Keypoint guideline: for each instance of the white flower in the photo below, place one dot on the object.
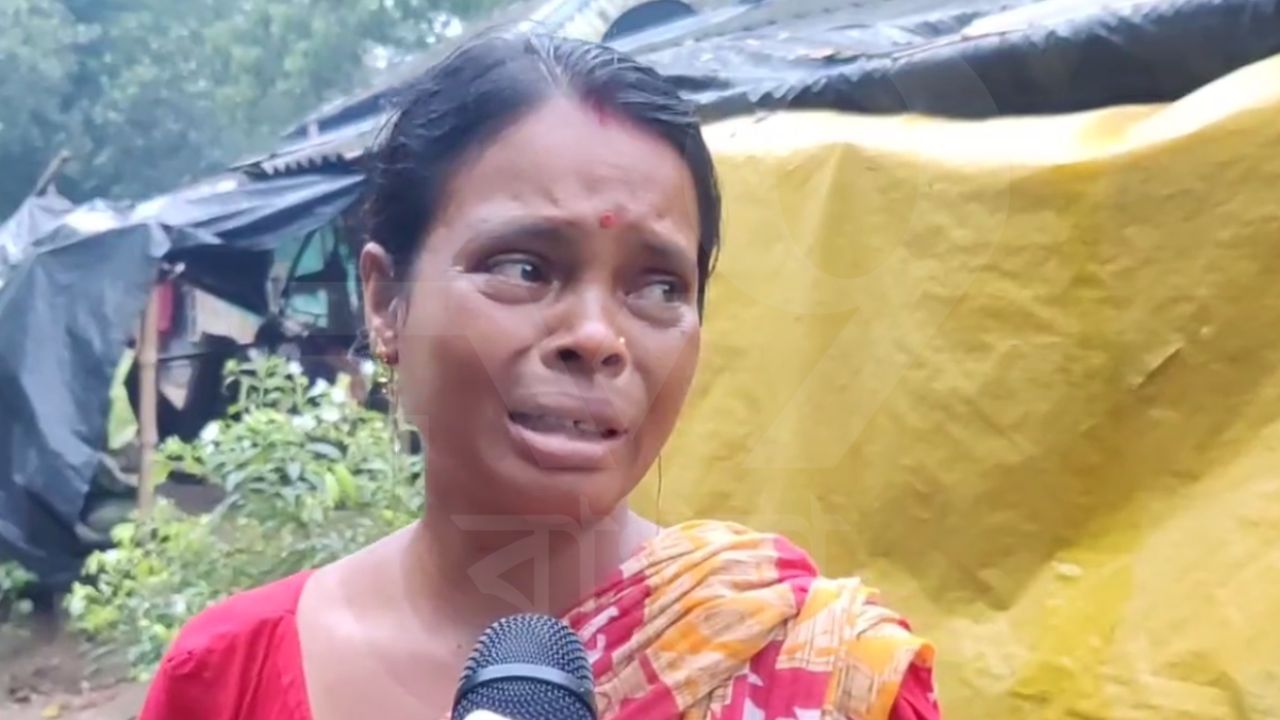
(305, 423)
(294, 367)
(338, 394)
(210, 432)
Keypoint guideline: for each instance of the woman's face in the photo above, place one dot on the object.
(549, 333)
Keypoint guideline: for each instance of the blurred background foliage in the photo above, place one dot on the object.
(146, 94)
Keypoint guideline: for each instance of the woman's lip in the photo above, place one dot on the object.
(555, 451)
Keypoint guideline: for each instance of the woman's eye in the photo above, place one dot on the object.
(663, 291)
(525, 270)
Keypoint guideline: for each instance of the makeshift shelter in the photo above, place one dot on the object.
(72, 301)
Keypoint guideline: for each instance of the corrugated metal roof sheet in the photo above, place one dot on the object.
(344, 145)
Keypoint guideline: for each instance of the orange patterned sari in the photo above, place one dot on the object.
(715, 621)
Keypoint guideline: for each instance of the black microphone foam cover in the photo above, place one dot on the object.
(528, 667)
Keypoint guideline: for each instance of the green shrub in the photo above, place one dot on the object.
(309, 477)
(14, 581)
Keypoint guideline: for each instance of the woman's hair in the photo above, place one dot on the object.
(488, 85)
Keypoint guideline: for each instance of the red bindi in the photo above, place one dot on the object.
(608, 220)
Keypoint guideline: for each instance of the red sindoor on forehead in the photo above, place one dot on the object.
(608, 219)
(604, 114)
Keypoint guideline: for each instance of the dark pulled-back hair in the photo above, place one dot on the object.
(488, 85)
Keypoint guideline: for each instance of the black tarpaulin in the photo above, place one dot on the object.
(236, 223)
(33, 219)
(65, 314)
(966, 59)
(71, 302)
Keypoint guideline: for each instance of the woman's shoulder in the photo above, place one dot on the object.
(872, 664)
(238, 659)
(252, 616)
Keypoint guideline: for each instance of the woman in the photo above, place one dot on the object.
(543, 217)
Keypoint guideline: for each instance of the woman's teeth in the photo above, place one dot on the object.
(562, 425)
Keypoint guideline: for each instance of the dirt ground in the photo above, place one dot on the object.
(122, 702)
(45, 675)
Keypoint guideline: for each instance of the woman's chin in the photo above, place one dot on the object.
(520, 488)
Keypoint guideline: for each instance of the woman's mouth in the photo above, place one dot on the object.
(583, 428)
(566, 439)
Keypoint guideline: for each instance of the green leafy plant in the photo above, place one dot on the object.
(309, 477)
(14, 582)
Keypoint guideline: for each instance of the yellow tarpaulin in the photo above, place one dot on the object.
(1024, 376)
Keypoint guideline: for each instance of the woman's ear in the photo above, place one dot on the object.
(382, 305)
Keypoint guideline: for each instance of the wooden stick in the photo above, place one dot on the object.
(51, 172)
(147, 395)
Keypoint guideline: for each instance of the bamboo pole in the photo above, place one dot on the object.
(51, 172)
(148, 435)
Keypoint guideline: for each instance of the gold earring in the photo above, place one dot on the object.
(383, 368)
(385, 377)
(385, 355)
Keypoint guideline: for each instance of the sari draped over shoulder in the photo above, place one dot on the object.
(712, 620)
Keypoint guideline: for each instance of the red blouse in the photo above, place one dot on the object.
(242, 660)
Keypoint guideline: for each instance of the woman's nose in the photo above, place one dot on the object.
(589, 343)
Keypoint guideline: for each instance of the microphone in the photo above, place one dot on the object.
(526, 667)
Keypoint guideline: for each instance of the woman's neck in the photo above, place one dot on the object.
(471, 573)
